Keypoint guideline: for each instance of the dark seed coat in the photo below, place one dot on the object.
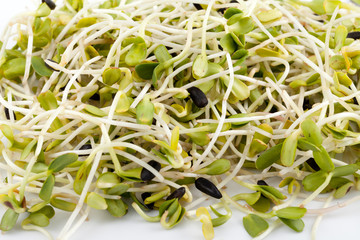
(354, 35)
(198, 97)
(49, 67)
(146, 175)
(7, 114)
(306, 104)
(198, 6)
(262, 182)
(95, 97)
(178, 193)
(85, 147)
(311, 162)
(207, 187)
(144, 196)
(50, 4)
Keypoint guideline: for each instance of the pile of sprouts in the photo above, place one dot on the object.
(142, 105)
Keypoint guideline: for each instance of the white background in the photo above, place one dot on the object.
(341, 224)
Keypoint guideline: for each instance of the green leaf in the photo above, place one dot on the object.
(8, 220)
(38, 219)
(243, 26)
(311, 132)
(265, 52)
(256, 146)
(47, 100)
(8, 133)
(47, 188)
(267, 158)
(305, 145)
(43, 10)
(228, 44)
(200, 66)
(343, 190)
(118, 189)
(107, 180)
(199, 138)
(337, 133)
(133, 174)
(111, 76)
(314, 180)
(296, 225)
(291, 213)
(124, 103)
(96, 201)
(28, 149)
(63, 161)
(221, 219)
(340, 36)
(239, 89)
(86, 22)
(161, 53)
(345, 170)
(48, 211)
(323, 160)
(146, 70)
(217, 167)
(337, 62)
(136, 54)
(255, 225)
(116, 208)
(165, 205)
(316, 5)
(267, 16)
(14, 68)
(94, 111)
(239, 115)
(262, 205)
(231, 11)
(145, 111)
(62, 204)
(250, 198)
(39, 66)
(288, 150)
(272, 193)
(313, 79)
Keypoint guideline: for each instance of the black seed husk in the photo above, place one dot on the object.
(306, 104)
(154, 121)
(208, 188)
(198, 97)
(262, 182)
(49, 67)
(144, 196)
(178, 193)
(221, 10)
(311, 162)
(273, 109)
(85, 147)
(353, 35)
(95, 97)
(50, 4)
(7, 114)
(355, 101)
(198, 6)
(146, 175)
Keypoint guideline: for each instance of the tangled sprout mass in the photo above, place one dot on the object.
(158, 105)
